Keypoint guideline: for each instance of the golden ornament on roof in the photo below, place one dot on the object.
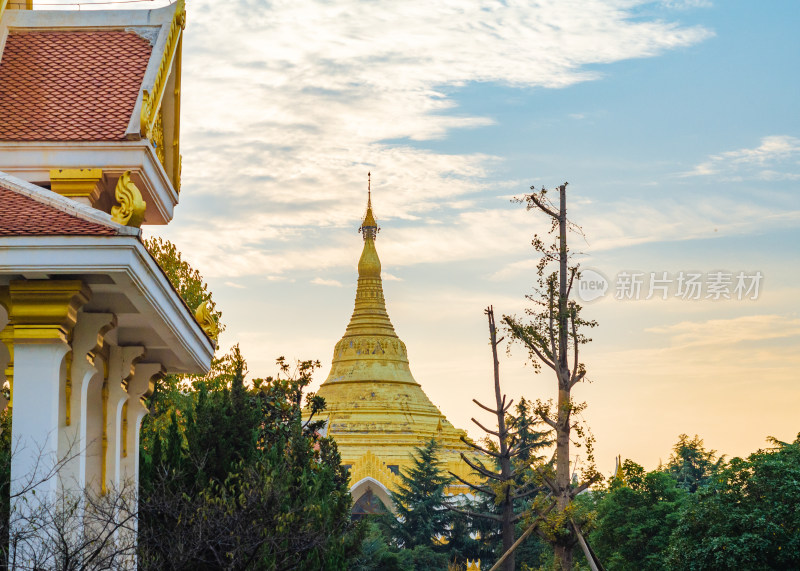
(207, 322)
(131, 207)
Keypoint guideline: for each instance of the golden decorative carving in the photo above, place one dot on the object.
(125, 429)
(178, 169)
(176, 119)
(77, 183)
(104, 441)
(158, 138)
(366, 346)
(68, 389)
(151, 101)
(207, 322)
(131, 208)
(45, 311)
(370, 466)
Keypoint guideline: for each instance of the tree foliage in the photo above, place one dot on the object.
(692, 465)
(420, 502)
(747, 517)
(251, 485)
(230, 475)
(635, 519)
(186, 280)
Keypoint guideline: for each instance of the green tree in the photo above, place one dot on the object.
(553, 336)
(268, 493)
(635, 518)
(377, 555)
(747, 517)
(231, 476)
(692, 465)
(186, 280)
(422, 520)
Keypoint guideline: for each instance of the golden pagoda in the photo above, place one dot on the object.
(376, 412)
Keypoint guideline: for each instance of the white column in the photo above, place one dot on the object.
(43, 313)
(38, 374)
(121, 367)
(140, 385)
(87, 341)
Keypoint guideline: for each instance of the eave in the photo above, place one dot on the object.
(125, 280)
(32, 161)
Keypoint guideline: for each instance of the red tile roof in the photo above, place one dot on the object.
(70, 86)
(24, 216)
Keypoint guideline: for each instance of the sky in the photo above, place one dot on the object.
(675, 123)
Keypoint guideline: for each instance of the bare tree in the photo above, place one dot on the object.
(553, 336)
(62, 531)
(75, 532)
(503, 486)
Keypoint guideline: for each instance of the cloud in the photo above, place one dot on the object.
(243, 247)
(728, 332)
(324, 282)
(746, 349)
(286, 105)
(686, 4)
(776, 158)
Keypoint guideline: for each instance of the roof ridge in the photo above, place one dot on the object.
(63, 204)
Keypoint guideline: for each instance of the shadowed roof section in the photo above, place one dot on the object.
(23, 216)
(70, 86)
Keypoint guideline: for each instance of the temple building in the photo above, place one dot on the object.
(89, 152)
(376, 411)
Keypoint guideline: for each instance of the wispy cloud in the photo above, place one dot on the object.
(243, 248)
(686, 4)
(287, 104)
(324, 282)
(728, 332)
(776, 158)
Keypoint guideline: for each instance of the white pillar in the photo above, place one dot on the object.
(121, 367)
(140, 385)
(87, 341)
(38, 374)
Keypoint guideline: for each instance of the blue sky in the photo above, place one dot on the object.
(675, 123)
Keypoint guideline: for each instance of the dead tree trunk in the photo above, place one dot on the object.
(553, 338)
(508, 448)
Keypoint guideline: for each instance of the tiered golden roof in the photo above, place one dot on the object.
(377, 412)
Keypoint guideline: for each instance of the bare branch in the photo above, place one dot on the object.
(484, 407)
(494, 432)
(481, 469)
(533, 198)
(479, 447)
(475, 514)
(483, 489)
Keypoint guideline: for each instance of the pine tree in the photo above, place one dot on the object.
(422, 518)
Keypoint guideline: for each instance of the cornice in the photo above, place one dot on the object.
(125, 257)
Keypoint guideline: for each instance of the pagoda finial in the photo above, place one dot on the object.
(369, 227)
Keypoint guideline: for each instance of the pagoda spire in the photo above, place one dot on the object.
(370, 348)
(369, 227)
